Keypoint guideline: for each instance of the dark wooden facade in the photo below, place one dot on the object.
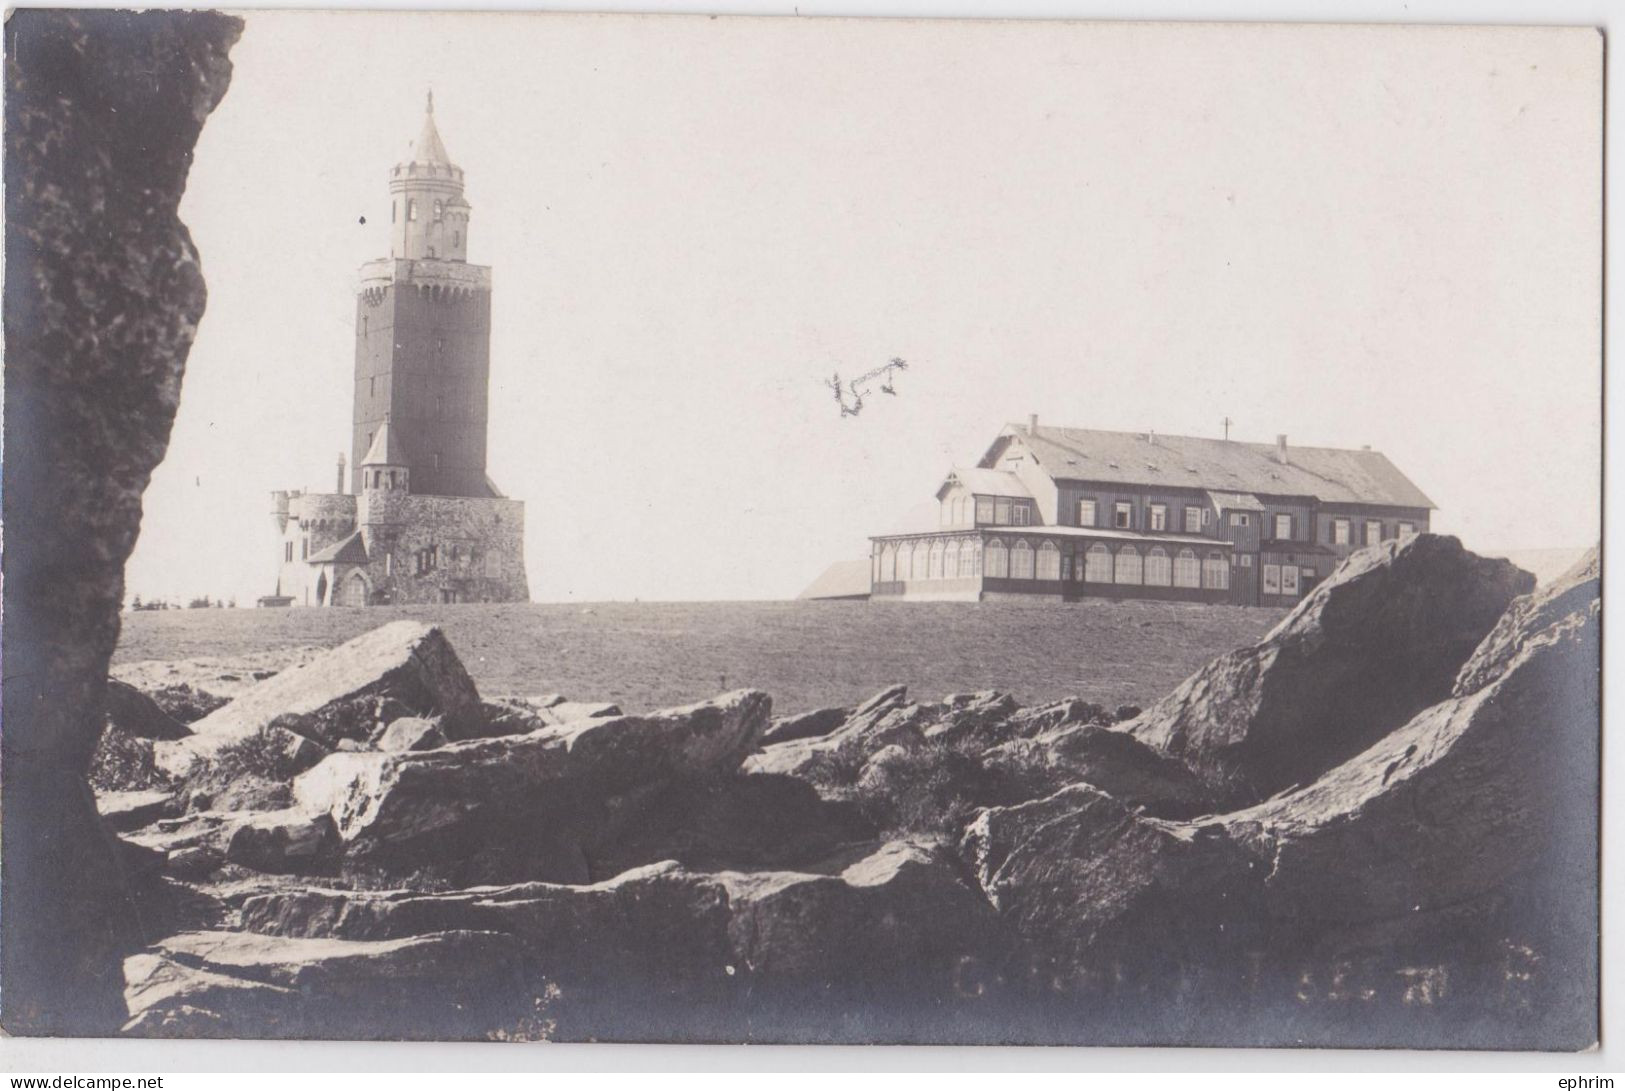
(1213, 537)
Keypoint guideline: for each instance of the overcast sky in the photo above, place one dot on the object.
(1352, 236)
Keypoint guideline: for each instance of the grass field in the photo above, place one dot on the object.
(806, 654)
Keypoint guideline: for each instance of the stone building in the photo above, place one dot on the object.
(417, 518)
(1070, 513)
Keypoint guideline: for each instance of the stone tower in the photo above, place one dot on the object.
(423, 332)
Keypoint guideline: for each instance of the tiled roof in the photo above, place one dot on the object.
(351, 550)
(1330, 474)
(987, 482)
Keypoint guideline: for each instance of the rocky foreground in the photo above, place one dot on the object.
(1377, 826)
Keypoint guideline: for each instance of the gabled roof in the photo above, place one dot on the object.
(386, 449)
(351, 550)
(986, 482)
(1235, 501)
(1330, 474)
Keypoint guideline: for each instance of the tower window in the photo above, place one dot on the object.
(411, 208)
(439, 212)
(456, 238)
(393, 208)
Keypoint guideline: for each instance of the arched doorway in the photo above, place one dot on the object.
(352, 591)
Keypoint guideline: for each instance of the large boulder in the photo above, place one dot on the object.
(282, 841)
(1092, 883)
(103, 294)
(837, 757)
(405, 668)
(446, 985)
(136, 714)
(520, 806)
(1113, 761)
(411, 733)
(1382, 638)
(1528, 618)
(1438, 849)
(898, 917)
(805, 725)
(744, 821)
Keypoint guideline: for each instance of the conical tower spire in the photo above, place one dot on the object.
(428, 212)
(429, 148)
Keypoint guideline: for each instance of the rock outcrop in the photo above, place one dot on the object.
(447, 985)
(1470, 814)
(1380, 639)
(807, 725)
(523, 806)
(103, 293)
(405, 668)
(138, 715)
(649, 946)
(1574, 593)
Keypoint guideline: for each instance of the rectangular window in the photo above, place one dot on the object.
(1406, 530)
(1240, 519)
(1001, 511)
(1193, 520)
(1086, 513)
(1373, 531)
(1159, 516)
(984, 510)
(1289, 579)
(1123, 515)
(1340, 532)
(1022, 514)
(1272, 579)
(1245, 560)
(1283, 527)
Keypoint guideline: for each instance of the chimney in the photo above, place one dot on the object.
(340, 487)
(1280, 449)
(1032, 424)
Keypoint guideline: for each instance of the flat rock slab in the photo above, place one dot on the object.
(470, 795)
(455, 984)
(406, 665)
(126, 811)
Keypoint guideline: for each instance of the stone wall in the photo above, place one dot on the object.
(478, 546)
